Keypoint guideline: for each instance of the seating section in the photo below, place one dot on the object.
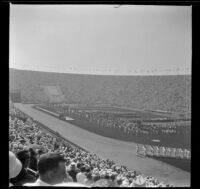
(25, 134)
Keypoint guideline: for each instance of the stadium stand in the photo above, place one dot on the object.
(166, 93)
(26, 135)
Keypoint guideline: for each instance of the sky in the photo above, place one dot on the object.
(101, 39)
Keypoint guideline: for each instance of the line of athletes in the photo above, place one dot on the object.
(149, 150)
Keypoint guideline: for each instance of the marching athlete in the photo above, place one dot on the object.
(137, 149)
(156, 151)
(145, 150)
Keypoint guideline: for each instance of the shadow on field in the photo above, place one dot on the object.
(183, 164)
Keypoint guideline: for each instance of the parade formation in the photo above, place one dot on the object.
(167, 152)
(167, 141)
(130, 128)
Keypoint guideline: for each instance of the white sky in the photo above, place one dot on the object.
(101, 39)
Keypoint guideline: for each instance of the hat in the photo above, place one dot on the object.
(125, 183)
(15, 165)
(72, 164)
(87, 166)
(140, 182)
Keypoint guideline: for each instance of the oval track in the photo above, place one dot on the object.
(121, 152)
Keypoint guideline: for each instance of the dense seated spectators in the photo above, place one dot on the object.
(33, 145)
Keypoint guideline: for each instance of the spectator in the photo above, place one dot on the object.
(51, 168)
(138, 182)
(33, 160)
(37, 138)
(81, 176)
(88, 181)
(68, 178)
(73, 171)
(15, 166)
(23, 177)
(79, 165)
(125, 182)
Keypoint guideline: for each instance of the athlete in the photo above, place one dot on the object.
(137, 149)
(156, 151)
(145, 150)
(181, 153)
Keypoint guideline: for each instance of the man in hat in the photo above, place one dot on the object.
(51, 169)
(15, 166)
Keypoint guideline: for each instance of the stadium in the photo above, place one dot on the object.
(100, 95)
(107, 129)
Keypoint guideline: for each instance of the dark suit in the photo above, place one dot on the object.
(22, 178)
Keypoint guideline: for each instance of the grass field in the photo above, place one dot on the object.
(177, 141)
(180, 141)
(123, 153)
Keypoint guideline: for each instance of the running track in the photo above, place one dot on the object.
(121, 152)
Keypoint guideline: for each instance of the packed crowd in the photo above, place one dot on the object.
(129, 127)
(37, 158)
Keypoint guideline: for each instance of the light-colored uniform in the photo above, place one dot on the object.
(162, 151)
(156, 151)
(144, 150)
(137, 149)
(181, 153)
(151, 150)
(168, 152)
(188, 154)
(173, 152)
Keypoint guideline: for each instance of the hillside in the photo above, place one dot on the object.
(171, 93)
